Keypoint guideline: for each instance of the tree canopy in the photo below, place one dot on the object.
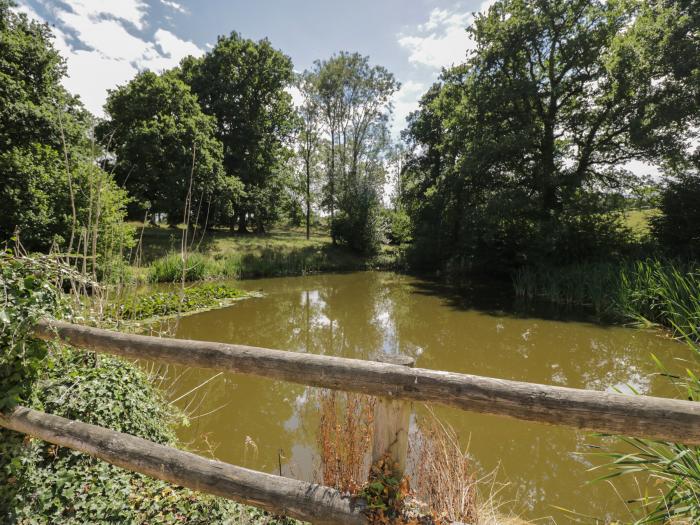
(242, 84)
(515, 150)
(49, 180)
(165, 147)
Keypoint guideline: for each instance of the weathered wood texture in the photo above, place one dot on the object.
(305, 501)
(642, 416)
(392, 418)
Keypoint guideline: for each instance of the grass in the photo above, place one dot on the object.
(639, 221)
(222, 255)
(647, 292)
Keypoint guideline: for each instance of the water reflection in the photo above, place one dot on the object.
(360, 314)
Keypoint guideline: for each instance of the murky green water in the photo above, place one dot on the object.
(256, 422)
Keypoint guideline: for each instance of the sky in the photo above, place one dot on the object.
(106, 42)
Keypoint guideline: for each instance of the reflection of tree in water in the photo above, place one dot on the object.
(359, 314)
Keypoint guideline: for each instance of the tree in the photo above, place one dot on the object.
(52, 192)
(354, 99)
(309, 137)
(165, 147)
(516, 150)
(242, 84)
(678, 226)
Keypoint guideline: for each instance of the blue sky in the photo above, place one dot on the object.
(106, 42)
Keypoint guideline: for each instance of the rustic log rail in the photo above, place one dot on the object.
(297, 499)
(640, 416)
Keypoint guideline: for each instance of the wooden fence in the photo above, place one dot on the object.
(394, 382)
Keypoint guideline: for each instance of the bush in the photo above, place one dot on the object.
(26, 297)
(678, 227)
(357, 223)
(168, 269)
(397, 225)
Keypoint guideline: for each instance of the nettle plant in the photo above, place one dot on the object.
(26, 295)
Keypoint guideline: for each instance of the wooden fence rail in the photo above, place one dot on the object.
(297, 499)
(641, 416)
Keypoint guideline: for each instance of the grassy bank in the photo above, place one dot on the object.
(222, 255)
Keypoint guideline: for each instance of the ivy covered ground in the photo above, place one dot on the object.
(41, 483)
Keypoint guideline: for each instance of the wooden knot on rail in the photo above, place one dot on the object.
(392, 418)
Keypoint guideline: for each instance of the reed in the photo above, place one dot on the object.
(445, 476)
(651, 291)
(646, 292)
(172, 267)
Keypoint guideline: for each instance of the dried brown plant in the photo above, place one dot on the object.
(345, 438)
(445, 476)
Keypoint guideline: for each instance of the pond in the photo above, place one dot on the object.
(260, 423)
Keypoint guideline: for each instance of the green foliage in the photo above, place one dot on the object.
(649, 291)
(32, 97)
(352, 101)
(165, 303)
(169, 269)
(268, 263)
(50, 187)
(161, 140)
(678, 227)
(516, 153)
(358, 224)
(33, 193)
(26, 297)
(397, 225)
(673, 468)
(241, 83)
(42, 483)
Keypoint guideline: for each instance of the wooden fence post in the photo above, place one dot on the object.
(391, 421)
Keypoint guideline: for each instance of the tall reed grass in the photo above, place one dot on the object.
(651, 291)
(269, 263)
(647, 292)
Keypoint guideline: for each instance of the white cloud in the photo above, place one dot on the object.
(132, 11)
(109, 38)
(405, 101)
(102, 52)
(442, 41)
(174, 5)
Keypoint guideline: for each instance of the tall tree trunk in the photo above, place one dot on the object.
(241, 219)
(331, 183)
(308, 198)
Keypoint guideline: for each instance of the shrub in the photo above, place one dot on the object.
(397, 225)
(358, 223)
(168, 269)
(678, 227)
(26, 296)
